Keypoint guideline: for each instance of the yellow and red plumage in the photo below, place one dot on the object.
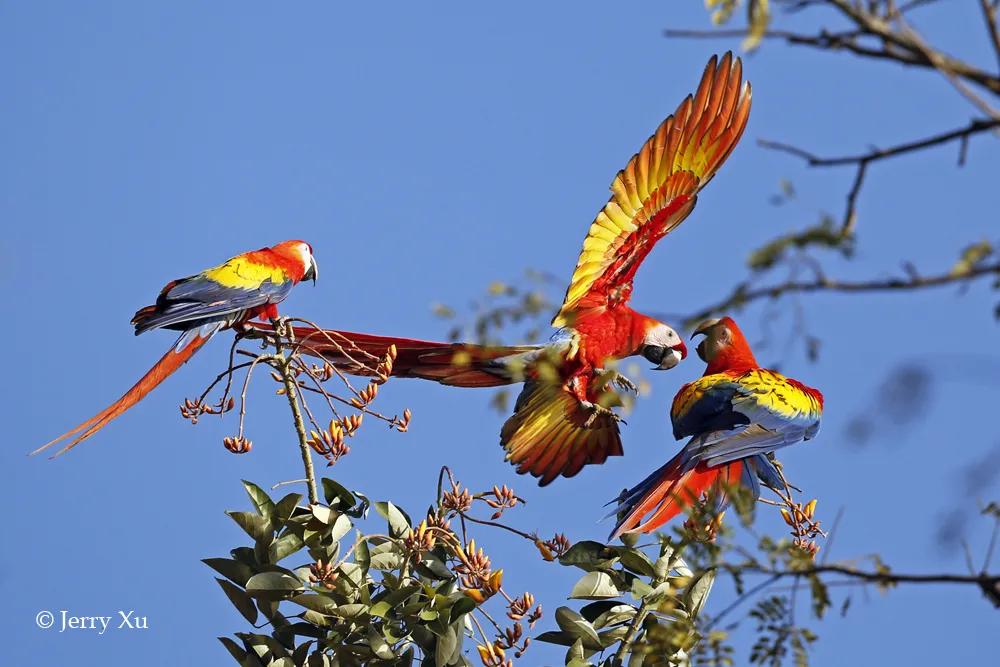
(244, 287)
(736, 414)
(556, 430)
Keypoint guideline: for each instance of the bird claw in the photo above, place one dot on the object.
(282, 329)
(597, 411)
(619, 380)
(625, 384)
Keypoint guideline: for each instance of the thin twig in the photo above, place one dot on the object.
(990, 16)
(742, 297)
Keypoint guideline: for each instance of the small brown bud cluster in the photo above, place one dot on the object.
(474, 570)
(384, 369)
(365, 396)
(438, 522)
(804, 529)
(554, 548)
(701, 531)
(511, 637)
(194, 409)
(323, 574)
(457, 500)
(237, 444)
(492, 655)
(351, 424)
(418, 540)
(505, 498)
(402, 424)
(520, 607)
(329, 442)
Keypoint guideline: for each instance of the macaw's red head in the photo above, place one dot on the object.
(724, 347)
(662, 346)
(300, 255)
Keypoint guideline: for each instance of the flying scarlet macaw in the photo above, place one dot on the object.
(560, 424)
(227, 296)
(736, 414)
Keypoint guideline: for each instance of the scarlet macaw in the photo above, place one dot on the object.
(226, 296)
(560, 426)
(736, 414)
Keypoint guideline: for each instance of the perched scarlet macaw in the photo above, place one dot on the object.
(736, 414)
(559, 424)
(227, 296)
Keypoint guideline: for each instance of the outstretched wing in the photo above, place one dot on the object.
(240, 284)
(658, 188)
(734, 417)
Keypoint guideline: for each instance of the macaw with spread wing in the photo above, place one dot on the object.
(226, 296)
(562, 423)
(736, 414)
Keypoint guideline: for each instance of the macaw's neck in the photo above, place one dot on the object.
(610, 333)
(735, 357)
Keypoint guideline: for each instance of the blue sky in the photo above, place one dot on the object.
(425, 153)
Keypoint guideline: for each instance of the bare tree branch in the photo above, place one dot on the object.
(863, 160)
(848, 41)
(990, 16)
(974, 127)
(742, 295)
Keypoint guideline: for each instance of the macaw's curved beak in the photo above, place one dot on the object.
(312, 272)
(702, 329)
(671, 357)
(666, 357)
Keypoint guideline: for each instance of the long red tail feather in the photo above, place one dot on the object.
(672, 493)
(454, 364)
(189, 343)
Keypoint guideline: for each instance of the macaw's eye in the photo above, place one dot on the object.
(653, 353)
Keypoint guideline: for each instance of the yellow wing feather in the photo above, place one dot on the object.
(245, 273)
(659, 184)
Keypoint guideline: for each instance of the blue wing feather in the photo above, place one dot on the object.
(195, 301)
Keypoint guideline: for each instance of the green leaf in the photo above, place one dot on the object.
(379, 646)
(323, 514)
(586, 555)
(698, 591)
(462, 606)
(341, 526)
(387, 561)
(234, 649)
(337, 496)
(234, 570)
(256, 526)
(262, 501)
(447, 645)
(667, 559)
(362, 555)
(594, 586)
(399, 522)
(284, 546)
(640, 589)
(318, 603)
(350, 611)
(240, 600)
(269, 585)
(381, 609)
(636, 561)
(560, 638)
(576, 625)
(285, 507)
(619, 613)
